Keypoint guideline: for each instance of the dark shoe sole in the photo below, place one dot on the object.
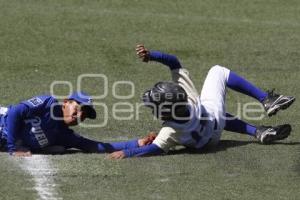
(282, 132)
(282, 106)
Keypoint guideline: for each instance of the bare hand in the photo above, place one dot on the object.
(116, 155)
(142, 52)
(22, 153)
(147, 140)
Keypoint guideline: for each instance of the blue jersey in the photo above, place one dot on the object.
(32, 122)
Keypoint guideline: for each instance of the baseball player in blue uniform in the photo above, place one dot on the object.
(42, 122)
(196, 121)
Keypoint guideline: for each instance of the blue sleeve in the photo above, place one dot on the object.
(73, 140)
(171, 61)
(117, 146)
(15, 118)
(151, 149)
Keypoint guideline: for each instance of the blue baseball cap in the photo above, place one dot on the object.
(86, 101)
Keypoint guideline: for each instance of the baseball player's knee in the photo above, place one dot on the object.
(216, 69)
(219, 71)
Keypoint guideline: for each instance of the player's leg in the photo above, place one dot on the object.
(236, 125)
(213, 99)
(213, 93)
(265, 134)
(272, 102)
(243, 86)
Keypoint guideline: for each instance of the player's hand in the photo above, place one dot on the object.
(22, 153)
(142, 52)
(147, 140)
(116, 155)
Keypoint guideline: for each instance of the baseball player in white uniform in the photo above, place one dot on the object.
(197, 121)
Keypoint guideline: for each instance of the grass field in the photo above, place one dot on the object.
(44, 41)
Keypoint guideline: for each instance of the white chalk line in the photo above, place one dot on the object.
(39, 167)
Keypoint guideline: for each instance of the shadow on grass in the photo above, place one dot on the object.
(223, 146)
(67, 151)
(286, 143)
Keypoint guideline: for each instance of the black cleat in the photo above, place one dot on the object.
(268, 134)
(275, 102)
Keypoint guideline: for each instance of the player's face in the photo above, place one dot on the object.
(72, 113)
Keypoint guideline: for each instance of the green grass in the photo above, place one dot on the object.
(43, 41)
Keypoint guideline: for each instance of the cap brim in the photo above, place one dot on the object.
(90, 112)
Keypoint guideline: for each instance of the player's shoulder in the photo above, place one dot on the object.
(40, 100)
(181, 71)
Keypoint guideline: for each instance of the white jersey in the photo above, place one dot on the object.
(193, 133)
(205, 111)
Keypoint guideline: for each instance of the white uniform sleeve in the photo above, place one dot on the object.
(181, 76)
(167, 138)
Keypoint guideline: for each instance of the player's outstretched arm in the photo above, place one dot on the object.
(151, 149)
(72, 140)
(125, 145)
(169, 60)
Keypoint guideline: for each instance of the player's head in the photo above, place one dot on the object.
(77, 107)
(168, 100)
